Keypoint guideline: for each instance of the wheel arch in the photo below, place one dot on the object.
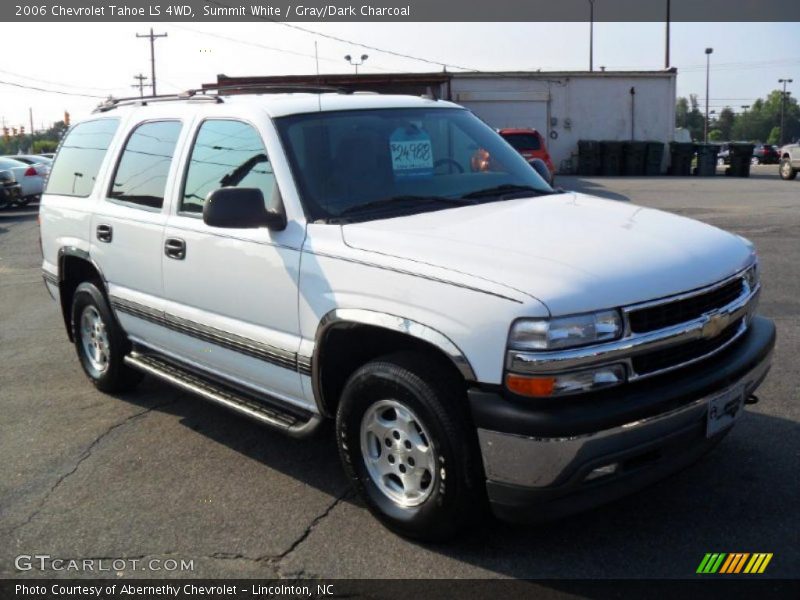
(377, 333)
(74, 267)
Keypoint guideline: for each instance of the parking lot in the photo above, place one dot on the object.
(161, 474)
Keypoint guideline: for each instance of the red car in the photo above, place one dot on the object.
(529, 143)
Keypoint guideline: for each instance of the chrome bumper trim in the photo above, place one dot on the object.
(537, 462)
(704, 327)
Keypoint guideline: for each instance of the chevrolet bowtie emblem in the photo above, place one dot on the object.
(715, 324)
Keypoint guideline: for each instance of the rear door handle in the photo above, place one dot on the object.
(175, 248)
(105, 233)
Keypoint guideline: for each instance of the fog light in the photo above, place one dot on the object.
(566, 383)
(603, 471)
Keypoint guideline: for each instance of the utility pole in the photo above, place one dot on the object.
(783, 106)
(591, 35)
(30, 114)
(152, 36)
(666, 48)
(708, 73)
(141, 85)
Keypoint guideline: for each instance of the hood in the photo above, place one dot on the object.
(572, 252)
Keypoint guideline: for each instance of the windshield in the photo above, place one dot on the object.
(364, 164)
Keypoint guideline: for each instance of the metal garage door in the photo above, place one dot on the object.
(508, 109)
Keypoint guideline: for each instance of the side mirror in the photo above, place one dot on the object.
(240, 208)
(541, 168)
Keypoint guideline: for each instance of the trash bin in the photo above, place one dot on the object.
(740, 157)
(706, 160)
(681, 154)
(633, 157)
(588, 157)
(653, 158)
(611, 158)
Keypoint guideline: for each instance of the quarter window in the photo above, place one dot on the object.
(79, 158)
(227, 153)
(141, 176)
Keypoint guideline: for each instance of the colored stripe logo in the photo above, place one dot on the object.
(734, 563)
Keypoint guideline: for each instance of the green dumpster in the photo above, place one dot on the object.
(653, 158)
(706, 160)
(633, 158)
(740, 157)
(589, 152)
(611, 158)
(681, 154)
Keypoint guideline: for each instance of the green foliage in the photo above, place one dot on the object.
(42, 146)
(760, 124)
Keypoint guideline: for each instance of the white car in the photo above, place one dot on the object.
(30, 177)
(391, 263)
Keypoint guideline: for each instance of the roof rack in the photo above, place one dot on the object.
(201, 94)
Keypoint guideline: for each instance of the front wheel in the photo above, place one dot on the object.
(786, 170)
(100, 342)
(406, 444)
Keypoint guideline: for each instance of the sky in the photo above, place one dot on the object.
(98, 59)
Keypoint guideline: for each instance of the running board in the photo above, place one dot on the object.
(290, 422)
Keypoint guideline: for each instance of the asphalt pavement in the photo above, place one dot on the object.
(159, 474)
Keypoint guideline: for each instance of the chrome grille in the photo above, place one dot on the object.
(659, 316)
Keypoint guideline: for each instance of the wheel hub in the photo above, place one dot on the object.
(398, 453)
(94, 339)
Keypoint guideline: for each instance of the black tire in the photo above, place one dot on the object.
(23, 200)
(114, 375)
(786, 170)
(436, 398)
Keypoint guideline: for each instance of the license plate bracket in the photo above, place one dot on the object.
(724, 409)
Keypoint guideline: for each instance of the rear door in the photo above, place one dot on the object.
(128, 226)
(231, 294)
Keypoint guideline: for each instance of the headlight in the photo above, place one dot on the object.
(565, 332)
(752, 276)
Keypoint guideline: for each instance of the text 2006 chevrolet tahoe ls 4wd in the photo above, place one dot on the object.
(391, 263)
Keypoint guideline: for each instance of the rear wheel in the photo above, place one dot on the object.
(786, 169)
(100, 342)
(408, 448)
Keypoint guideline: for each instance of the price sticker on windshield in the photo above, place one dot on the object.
(412, 154)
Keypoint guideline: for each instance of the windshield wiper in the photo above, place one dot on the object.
(504, 191)
(405, 200)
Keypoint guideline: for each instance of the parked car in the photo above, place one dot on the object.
(9, 189)
(724, 154)
(790, 160)
(42, 163)
(50, 155)
(765, 154)
(31, 178)
(529, 143)
(474, 333)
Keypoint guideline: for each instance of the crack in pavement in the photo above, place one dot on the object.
(276, 559)
(85, 455)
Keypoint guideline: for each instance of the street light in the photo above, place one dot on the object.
(708, 72)
(783, 105)
(744, 107)
(349, 59)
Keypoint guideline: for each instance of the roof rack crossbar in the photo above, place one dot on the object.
(272, 88)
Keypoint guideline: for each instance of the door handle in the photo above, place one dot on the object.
(175, 248)
(105, 233)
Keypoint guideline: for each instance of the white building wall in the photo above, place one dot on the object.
(574, 106)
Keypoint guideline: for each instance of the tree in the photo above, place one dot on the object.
(688, 116)
(725, 122)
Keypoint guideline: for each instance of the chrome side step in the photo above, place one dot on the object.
(295, 422)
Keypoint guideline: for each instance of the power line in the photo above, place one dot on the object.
(66, 85)
(346, 41)
(38, 89)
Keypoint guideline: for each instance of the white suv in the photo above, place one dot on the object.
(391, 263)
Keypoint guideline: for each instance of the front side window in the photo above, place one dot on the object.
(141, 175)
(363, 164)
(226, 153)
(78, 161)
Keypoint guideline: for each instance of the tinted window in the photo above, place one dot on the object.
(82, 151)
(226, 154)
(141, 175)
(351, 162)
(523, 141)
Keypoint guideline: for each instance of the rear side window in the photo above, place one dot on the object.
(523, 141)
(78, 161)
(226, 153)
(141, 175)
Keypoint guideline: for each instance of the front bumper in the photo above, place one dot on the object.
(537, 455)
